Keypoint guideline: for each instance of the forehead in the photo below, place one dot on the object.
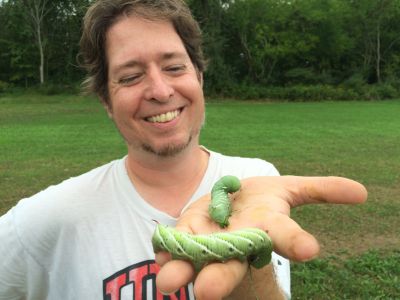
(135, 38)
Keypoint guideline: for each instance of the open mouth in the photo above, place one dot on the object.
(165, 117)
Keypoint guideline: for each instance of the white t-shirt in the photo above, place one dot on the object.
(89, 237)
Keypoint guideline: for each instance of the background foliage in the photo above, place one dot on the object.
(256, 48)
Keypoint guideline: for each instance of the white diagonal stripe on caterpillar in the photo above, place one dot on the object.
(229, 245)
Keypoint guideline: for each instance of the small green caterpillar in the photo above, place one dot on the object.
(251, 243)
(220, 208)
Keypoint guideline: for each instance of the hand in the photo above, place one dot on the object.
(262, 202)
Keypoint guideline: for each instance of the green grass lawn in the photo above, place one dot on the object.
(45, 139)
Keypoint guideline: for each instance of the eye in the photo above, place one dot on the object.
(130, 80)
(176, 69)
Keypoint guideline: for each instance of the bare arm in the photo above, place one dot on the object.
(263, 202)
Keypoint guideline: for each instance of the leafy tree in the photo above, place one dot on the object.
(211, 14)
(36, 11)
(64, 38)
(248, 42)
(378, 34)
(272, 36)
(16, 61)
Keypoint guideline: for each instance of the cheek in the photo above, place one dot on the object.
(192, 90)
(124, 104)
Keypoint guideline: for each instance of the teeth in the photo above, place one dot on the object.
(162, 118)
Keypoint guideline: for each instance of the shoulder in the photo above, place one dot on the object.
(75, 189)
(72, 193)
(40, 220)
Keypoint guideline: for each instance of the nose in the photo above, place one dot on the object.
(158, 86)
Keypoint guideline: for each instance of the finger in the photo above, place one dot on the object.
(328, 190)
(289, 239)
(297, 190)
(162, 258)
(173, 275)
(217, 280)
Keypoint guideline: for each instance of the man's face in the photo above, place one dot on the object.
(156, 97)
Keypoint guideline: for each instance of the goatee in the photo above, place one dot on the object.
(169, 150)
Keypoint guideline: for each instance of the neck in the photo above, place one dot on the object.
(167, 183)
(158, 171)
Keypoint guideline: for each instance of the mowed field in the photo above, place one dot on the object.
(45, 139)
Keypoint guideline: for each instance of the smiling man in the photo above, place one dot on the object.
(156, 101)
(89, 237)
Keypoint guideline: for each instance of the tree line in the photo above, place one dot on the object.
(255, 47)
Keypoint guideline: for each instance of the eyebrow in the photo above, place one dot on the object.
(170, 55)
(133, 62)
(128, 64)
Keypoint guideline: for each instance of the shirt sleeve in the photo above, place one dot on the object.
(13, 262)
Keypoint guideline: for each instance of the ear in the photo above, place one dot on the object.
(200, 77)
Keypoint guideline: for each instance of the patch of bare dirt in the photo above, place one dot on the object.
(355, 245)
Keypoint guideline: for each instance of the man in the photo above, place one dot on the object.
(89, 237)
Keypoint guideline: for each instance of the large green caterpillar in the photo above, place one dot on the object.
(251, 243)
(220, 208)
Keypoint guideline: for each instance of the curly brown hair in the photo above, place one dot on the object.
(104, 13)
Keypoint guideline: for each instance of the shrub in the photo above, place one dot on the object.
(352, 90)
(355, 81)
(298, 75)
(4, 86)
(57, 89)
(386, 91)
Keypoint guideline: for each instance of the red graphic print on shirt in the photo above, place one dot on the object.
(138, 281)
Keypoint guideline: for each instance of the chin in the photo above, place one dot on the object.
(168, 150)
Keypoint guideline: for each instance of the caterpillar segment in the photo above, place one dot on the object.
(250, 243)
(220, 208)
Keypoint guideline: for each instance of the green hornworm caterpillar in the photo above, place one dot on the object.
(220, 207)
(251, 243)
